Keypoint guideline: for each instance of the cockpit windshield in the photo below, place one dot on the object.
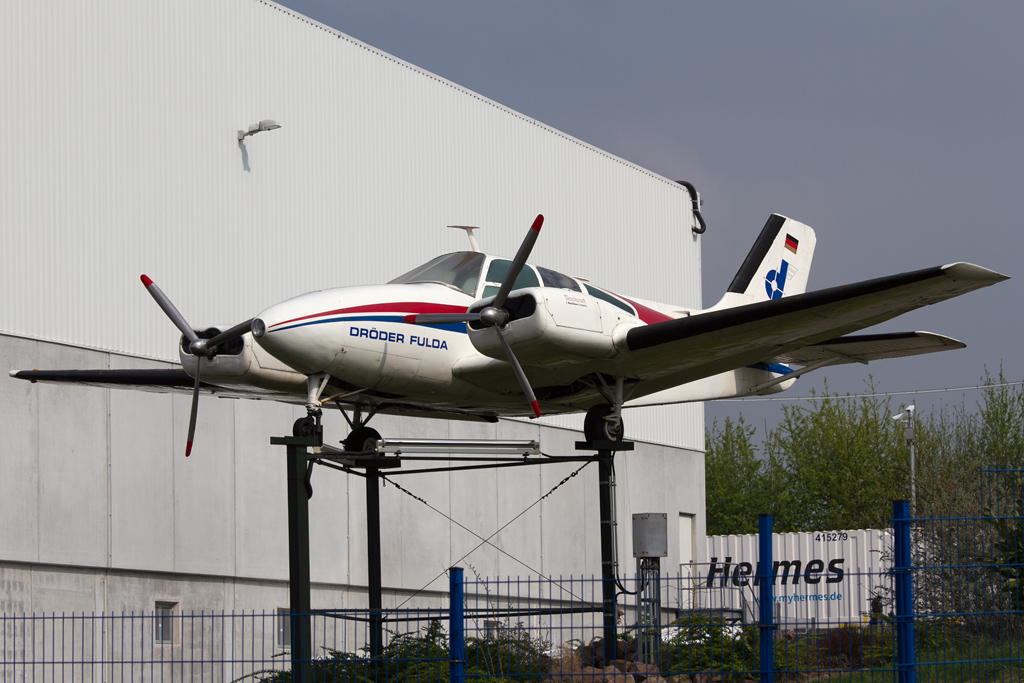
(460, 271)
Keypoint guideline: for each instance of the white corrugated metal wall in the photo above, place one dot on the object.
(119, 156)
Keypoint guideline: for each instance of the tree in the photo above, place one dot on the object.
(733, 482)
(1006, 515)
(838, 464)
(1002, 418)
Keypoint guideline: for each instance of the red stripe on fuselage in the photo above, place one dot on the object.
(648, 315)
(394, 307)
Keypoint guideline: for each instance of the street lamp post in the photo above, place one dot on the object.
(907, 417)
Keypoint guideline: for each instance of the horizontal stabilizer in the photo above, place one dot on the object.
(864, 348)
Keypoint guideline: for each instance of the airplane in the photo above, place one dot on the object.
(477, 337)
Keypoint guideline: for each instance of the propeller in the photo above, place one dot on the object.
(198, 347)
(496, 315)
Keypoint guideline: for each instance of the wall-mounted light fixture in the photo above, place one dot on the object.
(265, 124)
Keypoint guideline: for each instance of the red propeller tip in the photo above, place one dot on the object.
(536, 408)
(146, 281)
(411, 319)
(537, 222)
(188, 449)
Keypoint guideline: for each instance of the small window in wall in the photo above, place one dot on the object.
(164, 623)
(284, 628)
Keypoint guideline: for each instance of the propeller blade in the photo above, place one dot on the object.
(195, 411)
(441, 318)
(227, 335)
(518, 262)
(169, 309)
(520, 375)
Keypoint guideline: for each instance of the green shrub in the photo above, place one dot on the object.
(512, 653)
(702, 643)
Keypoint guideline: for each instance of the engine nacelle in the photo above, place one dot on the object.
(241, 362)
(549, 326)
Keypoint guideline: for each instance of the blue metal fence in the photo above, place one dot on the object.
(947, 608)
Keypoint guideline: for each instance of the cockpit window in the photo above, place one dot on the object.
(553, 279)
(605, 296)
(460, 271)
(497, 271)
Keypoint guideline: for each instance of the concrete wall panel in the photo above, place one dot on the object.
(142, 475)
(204, 497)
(19, 463)
(72, 460)
(261, 489)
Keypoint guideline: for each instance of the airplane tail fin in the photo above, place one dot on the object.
(778, 264)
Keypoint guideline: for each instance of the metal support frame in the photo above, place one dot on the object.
(299, 491)
(648, 609)
(372, 466)
(609, 549)
(375, 592)
(298, 548)
(473, 446)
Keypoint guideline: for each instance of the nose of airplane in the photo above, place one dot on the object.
(297, 332)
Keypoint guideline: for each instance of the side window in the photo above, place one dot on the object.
(552, 279)
(605, 296)
(284, 628)
(496, 273)
(165, 623)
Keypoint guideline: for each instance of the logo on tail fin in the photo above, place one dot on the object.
(775, 281)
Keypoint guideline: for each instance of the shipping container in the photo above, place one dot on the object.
(820, 577)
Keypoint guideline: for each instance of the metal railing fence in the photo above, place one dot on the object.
(944, 606)
(542, 629)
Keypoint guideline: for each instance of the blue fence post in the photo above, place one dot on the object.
(765, 579)
(456, 627)
(905, 658)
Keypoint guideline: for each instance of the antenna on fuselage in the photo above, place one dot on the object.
(469, 233)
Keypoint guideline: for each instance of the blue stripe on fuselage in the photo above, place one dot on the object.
(777, 368)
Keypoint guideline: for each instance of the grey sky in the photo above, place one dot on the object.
(896, 130)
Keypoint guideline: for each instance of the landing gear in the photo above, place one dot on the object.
(603, 423)
(362, 439)
(304, 426)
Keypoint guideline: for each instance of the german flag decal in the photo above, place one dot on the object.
(792, 243)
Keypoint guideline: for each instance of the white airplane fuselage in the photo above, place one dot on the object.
(361, 337)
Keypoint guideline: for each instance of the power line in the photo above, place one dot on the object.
(485, 541)
(831, 397)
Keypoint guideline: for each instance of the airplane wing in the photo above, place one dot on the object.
(177, 381)
(796, 328)
(161, 381)
(157, 380)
